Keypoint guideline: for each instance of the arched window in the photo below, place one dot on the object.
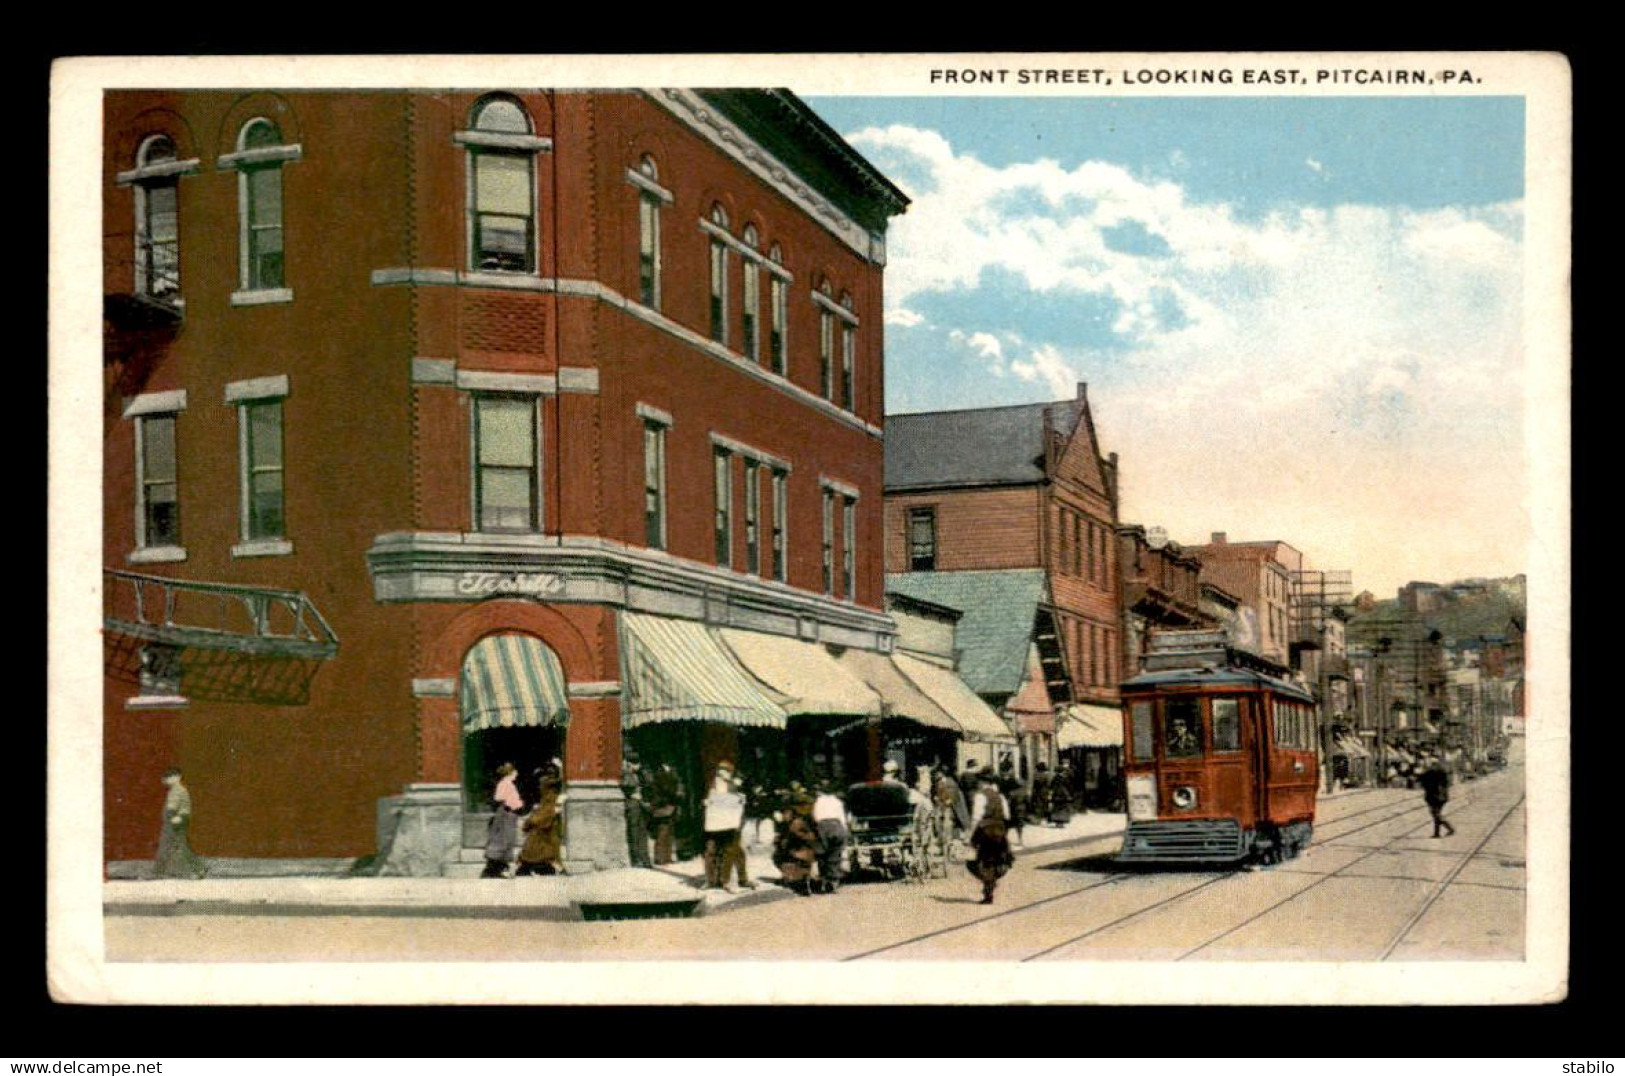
(649, 202)
(751, 303)
(502, 187)
(260, 208)
(157, 222)
(779, 301)
(719, 277)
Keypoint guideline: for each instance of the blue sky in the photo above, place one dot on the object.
(1300, 318)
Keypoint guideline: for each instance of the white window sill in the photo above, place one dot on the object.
(158, 554)
(157, 702)
(261, 296)
(501, 278)
(263, 547)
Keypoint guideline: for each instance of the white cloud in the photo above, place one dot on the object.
(1314, 165)
(904, 317)
(1325, 366)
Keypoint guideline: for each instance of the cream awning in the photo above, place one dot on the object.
(675, 670)
(1083, 725)
(512, 681)
(808, 677)
(902, 698)
(976, 718)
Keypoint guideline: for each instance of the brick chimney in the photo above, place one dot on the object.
(1219, 538)
(1083, 390)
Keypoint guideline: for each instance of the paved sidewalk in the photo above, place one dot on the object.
(557, 898)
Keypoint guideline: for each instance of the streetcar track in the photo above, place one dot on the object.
(1445, 882)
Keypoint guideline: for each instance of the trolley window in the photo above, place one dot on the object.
(1182, 728)
(1145, 743)
(1226, 725)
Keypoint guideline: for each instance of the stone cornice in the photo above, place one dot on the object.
(442, 566)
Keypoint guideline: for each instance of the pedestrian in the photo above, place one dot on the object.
(950, 801)
(724, 818)
(637, 811)
(1038, 801)
(665, 797)
(795, 844)
(990, 817)
(544, 829)
(829, 819)
(1060, 796)
(175, 856)
(502, 838)
(1435, 781)
(1015, 794)
(970, 781)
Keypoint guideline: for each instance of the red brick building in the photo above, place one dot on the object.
(1259, 575)
(993, 494)
(471, 383)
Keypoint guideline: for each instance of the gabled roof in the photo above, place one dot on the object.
(996, 631)
(986, 446)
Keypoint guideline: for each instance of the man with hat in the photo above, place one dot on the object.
(637, 808)
(724, 818)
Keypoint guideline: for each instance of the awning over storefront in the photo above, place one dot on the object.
(976, 718)
(1083, 725)
(902, 698)
(512, 681)
(676, 670)
(809, 677)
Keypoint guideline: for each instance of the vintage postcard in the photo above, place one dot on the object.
(887, 528)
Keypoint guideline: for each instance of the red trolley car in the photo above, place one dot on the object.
(1220, 759)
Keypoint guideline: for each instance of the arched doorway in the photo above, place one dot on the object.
(514, 707)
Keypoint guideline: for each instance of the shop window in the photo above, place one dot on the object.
(922, 539)
(505, 472)
(502, 187)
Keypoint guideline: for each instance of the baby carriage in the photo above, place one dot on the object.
(887, 834)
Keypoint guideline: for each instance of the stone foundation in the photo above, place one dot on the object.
(419, 831)
(594, 827)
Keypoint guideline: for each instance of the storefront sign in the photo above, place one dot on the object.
(479, 584)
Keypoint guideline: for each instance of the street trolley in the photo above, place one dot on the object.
(1221, 765)
(887, 834)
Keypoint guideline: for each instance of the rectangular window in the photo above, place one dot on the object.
(781, 507)
(504, 211)
(826, 353)
(505, 488)
(159, 484)
(649, 251)
(753, 516)
(849, 543)
(750, 334)
(158, 239)
(262, 470)
(722, 462)
(1182, 728)
(1144, 743)
(654, 485)
(778, 297)
(1226, 725)
(1283, 723)
(263, 227)
(719, 292)
(829, 541)
(849, 348)
(922, 539)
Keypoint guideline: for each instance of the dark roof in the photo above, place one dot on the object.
(792, 132)
(1220, 677)
(996, 632)
(982, 447)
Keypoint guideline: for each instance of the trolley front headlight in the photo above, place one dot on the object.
(1142, 797)
(1184, 797)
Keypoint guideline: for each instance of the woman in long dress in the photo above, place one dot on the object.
(175, 856)
(796, 845)
(502, 839)
(990, 819)
(544, 830)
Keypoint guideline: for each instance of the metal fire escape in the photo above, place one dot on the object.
(181, 640)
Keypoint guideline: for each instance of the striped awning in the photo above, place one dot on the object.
(676, 670)
(1083, 725)
(807, 676)
(902, 698)
(944, 687)
(512, 681)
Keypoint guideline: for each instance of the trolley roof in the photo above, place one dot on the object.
(1217, 677)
